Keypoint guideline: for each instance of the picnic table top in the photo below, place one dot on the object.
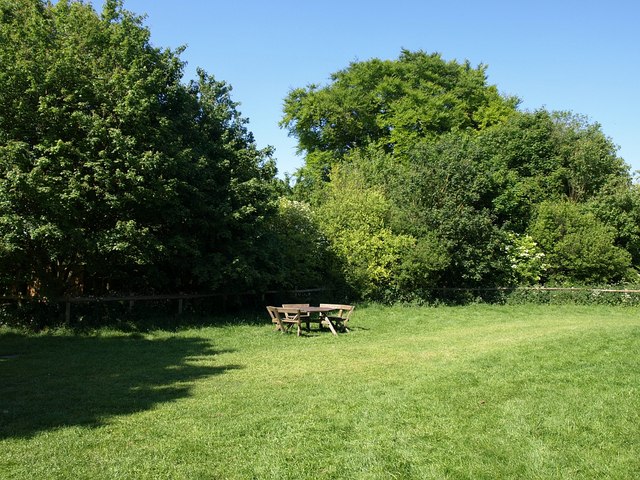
(309, 309)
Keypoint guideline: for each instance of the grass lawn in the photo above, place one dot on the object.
(544, 392)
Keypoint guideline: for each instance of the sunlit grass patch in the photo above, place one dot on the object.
(464, 392)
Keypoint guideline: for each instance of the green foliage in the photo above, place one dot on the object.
(618, 206)
(294, 250)
(447, 184)
(576, 295)
(418, 174)
(390, 104)
(421, 269)
(539, 156)
(578, 247)
(427, 157)
(114, 175)
(354, 218)
(526, 258)
(378, 262)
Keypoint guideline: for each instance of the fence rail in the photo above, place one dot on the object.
(132, 299)
(536, 289)
(262, 296)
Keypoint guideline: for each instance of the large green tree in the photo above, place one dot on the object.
(113, 173)
(391, 104)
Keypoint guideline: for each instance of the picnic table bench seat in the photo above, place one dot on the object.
(305, 316)
(284, 318)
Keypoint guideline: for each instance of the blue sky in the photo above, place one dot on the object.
(582, 56)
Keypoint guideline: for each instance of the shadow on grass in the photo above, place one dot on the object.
(145, 320)
(47, 382)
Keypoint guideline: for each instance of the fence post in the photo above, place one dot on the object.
(67, 312)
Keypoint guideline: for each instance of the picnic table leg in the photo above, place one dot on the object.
(279, 325)
(331, 327)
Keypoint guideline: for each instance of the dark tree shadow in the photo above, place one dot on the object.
(47, 382)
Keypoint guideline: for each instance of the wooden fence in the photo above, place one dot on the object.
(223, 298)
(277, 296)
(535, 289)
(486, 292)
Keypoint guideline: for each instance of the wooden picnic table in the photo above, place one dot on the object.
(290, 314)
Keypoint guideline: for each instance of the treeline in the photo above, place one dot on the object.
(117, 177)
(423, 176)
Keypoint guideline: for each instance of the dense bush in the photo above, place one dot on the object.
(578, 247)
(577, 296)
